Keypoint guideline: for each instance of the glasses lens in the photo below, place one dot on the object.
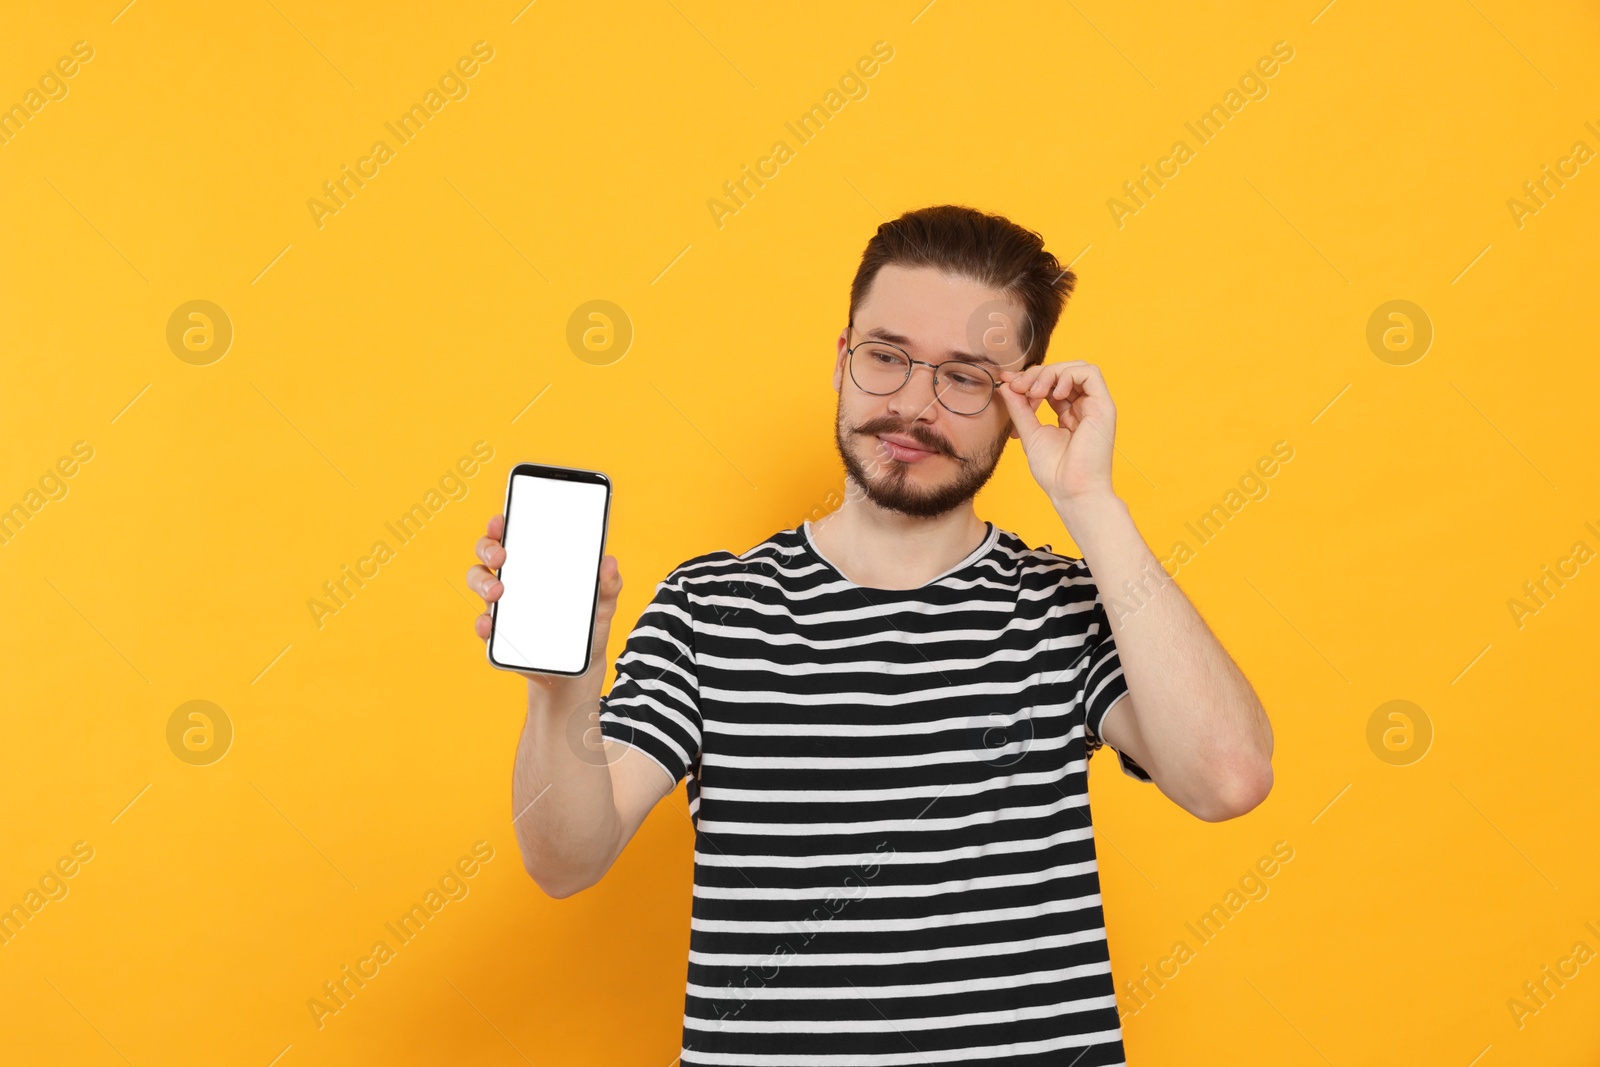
(964, 387)
(878, 368)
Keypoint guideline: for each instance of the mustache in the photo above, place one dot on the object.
(918, 434)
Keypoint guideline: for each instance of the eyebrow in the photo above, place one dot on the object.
(895, 339)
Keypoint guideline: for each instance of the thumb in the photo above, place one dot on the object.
(1024, 421)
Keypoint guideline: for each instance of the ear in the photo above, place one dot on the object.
(839, 362)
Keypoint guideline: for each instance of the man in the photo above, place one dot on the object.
(884, 716)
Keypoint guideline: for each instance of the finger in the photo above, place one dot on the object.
(1023, 419)
(1069, 376)
(481, 625)
(1070, 370)
(491, 552)
(610, 583)
(1038, 368)
(1080, 384)
(484, 583)
(1093, 381)
(1022, 383)
(497, 527)
(1052, 377)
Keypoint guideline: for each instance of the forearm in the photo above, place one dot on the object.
(1206, 737)
(563, 809)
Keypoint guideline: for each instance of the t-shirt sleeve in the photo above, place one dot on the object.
(654, 701)
(1104, 685)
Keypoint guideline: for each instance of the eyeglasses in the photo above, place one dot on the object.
(880, 368)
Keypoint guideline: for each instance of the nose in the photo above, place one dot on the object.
(916, 398)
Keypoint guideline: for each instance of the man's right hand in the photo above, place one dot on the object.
(480, 577)
(569, 844)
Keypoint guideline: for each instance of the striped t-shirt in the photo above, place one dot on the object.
(894, 861)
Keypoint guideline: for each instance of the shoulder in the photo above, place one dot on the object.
(1053, 584)
(1042, 567)
(724, 573)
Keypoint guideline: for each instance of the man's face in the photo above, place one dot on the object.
(934, 317)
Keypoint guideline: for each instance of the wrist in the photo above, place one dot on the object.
(544, 692)
(1094, 521)
(1088, 506)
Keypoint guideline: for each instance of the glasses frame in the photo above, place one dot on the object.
(911, 368)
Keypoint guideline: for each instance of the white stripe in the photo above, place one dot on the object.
(909, 792)
(891, 637)
(811, 729)
(959, 918)
(775, 567)
(920, 759)
(880, 1025)
(875, 700)
(755, 861)
(641, 727)
(753, 664)
(998, 605)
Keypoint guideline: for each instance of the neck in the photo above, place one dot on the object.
(884, 549)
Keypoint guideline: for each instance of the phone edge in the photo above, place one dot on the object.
(594, 604)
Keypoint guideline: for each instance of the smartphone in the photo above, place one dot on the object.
(555, 538)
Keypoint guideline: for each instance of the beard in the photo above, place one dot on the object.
(889, 483)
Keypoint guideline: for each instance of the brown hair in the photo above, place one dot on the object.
(989, 249)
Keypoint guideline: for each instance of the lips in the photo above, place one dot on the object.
(902, 447)
(904, 442)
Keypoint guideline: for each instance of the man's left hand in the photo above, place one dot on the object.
(1071, 460)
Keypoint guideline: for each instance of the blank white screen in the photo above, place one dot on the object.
(552, 541)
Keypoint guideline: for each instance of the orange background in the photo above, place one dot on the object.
(373, 346)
